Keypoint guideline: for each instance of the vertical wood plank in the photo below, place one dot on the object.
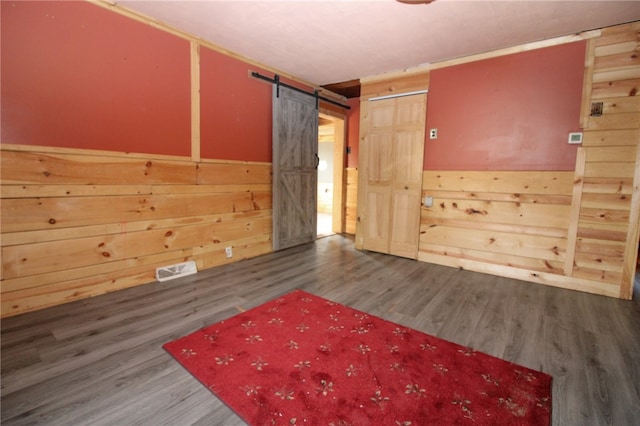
(611, 142)
(338, 175)
(351, 200)
(363, 171)
(587, 85)
(572, 236)
(633, 235)
(195, 101)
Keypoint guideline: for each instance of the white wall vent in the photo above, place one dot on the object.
(176, 271)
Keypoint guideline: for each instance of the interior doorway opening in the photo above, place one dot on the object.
(331, 146)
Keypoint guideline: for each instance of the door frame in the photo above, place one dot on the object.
(339, 164)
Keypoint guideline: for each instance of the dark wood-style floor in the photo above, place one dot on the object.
(100, 361)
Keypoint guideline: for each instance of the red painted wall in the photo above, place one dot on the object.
(76, 75)
(79, 76)
(353, 131)
(508, 113)
(235, 109)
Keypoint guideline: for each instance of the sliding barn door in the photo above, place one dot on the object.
(295, 148)
(394, 158)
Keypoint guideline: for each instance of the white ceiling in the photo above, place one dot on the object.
(331, 41)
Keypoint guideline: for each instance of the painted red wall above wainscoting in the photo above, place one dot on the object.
(511, 112)
(79, 76)
(235, 109)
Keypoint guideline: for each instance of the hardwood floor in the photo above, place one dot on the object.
(100, 361)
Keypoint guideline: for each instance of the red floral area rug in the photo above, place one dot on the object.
(304, 360)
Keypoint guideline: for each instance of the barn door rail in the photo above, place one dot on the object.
(276, 80)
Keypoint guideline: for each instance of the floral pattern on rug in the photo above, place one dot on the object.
(304, 360)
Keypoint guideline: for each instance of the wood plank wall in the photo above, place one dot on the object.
(576, 230)
(77, 224)
(512, 224)
(607, 169)
(351, 200)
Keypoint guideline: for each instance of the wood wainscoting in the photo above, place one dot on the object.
(79, 223)
(351, 200)
(513, 224)
(572, 229)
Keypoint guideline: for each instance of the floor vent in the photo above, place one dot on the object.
(178, 270)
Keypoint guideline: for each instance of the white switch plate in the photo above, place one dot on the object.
(433, 134)
(229, 252)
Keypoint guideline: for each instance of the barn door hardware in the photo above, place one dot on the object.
(276, 80)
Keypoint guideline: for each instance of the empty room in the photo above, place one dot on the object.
(367, 212)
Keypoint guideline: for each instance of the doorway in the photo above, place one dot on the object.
(331, 148)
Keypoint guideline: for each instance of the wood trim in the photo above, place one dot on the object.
(249, 163)
(195, 101)
(119, 154)
(407, 84)
(409, 72)
(136, 16)
(129, 13)
(587, 84)
(323, 91)
(351, 201)
(362, 174)
(551, 279)
(586, 35)
(339, 141)
(633, 235)
(572, 236)
(96, 152)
